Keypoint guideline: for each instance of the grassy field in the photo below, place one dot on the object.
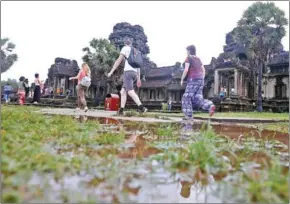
(65, 159)
(263, 115)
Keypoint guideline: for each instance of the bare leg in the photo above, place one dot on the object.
(82, 97)
(78, 98)
(135, 97)
(123, 98)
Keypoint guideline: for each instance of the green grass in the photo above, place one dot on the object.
(263, 115)
(29, 140)
(281, 127)
(251, 115)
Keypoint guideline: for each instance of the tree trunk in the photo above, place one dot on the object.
(259, 102)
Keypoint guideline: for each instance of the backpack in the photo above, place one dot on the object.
(135, 58)
(86, 81)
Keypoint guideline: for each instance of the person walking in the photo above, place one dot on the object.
(81, 101)
(26, 87)
(193, 96)
(169, 104)
(37, 89)
(21, 90)
(129, 77)
(7, 91)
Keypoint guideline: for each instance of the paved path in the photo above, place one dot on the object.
(104, 114)
(112, 114)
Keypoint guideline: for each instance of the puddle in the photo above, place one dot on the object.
(229, 130)
(130, 173)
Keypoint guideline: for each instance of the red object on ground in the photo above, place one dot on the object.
(21, 97)
(112, 102)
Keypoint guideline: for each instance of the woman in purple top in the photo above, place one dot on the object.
(193, 97)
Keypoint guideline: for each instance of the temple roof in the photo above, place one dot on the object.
(155, 83)
(279, 59)
(63, 67)
(160, 72)
(176, 87)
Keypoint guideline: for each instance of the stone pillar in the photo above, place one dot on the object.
(236, 81)
(216, 83)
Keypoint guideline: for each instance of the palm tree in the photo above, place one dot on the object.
(7, 57)
(261, 30)
(100, 56)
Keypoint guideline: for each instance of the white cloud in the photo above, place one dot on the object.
(43, 31)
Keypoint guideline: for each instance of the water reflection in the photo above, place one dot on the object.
(81, 118)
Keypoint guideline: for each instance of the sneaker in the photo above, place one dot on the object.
(143, 110)
(35, 102)
(211, 110)
(86, 109)
(120, 112)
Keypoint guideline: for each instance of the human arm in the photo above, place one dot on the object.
(116, 64)
(138, 77)
(76, 77)
(184, 74)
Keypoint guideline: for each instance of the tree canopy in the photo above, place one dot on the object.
(100, 56)
(8, 58)
(261, 30)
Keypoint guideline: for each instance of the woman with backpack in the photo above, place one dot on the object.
(83, 78)
(193, 95)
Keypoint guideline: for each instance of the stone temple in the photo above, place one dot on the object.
(230, 70)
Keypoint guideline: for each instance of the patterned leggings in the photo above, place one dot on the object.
(193, 98)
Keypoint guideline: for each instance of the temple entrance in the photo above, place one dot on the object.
(280, 88)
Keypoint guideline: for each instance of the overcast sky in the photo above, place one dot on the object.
(43, 31)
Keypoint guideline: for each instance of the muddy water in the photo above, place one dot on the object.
(235, 131)
(229, 130)
(125, 179)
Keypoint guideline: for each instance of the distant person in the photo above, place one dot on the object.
(21, 90)
(169, 104)
(85, 71)
(37, 89)
(222, 93)
(193, 96)
(7, 92)
(97, 100)
(51, 92)
(26, 87)
(130, 76)
(225, 91)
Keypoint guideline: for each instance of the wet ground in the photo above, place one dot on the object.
(149, 165)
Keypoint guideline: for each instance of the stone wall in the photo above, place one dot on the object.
(269, 86)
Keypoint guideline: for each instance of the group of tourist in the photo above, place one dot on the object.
(23, 90)
(194, 73)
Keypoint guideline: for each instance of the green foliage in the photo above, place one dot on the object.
(101, 55)
(261, 30)
(12, 82)
(8, 58)
(164, 106)
(59, 148)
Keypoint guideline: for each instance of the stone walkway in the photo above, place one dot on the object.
(104, 114)
(112, 114)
